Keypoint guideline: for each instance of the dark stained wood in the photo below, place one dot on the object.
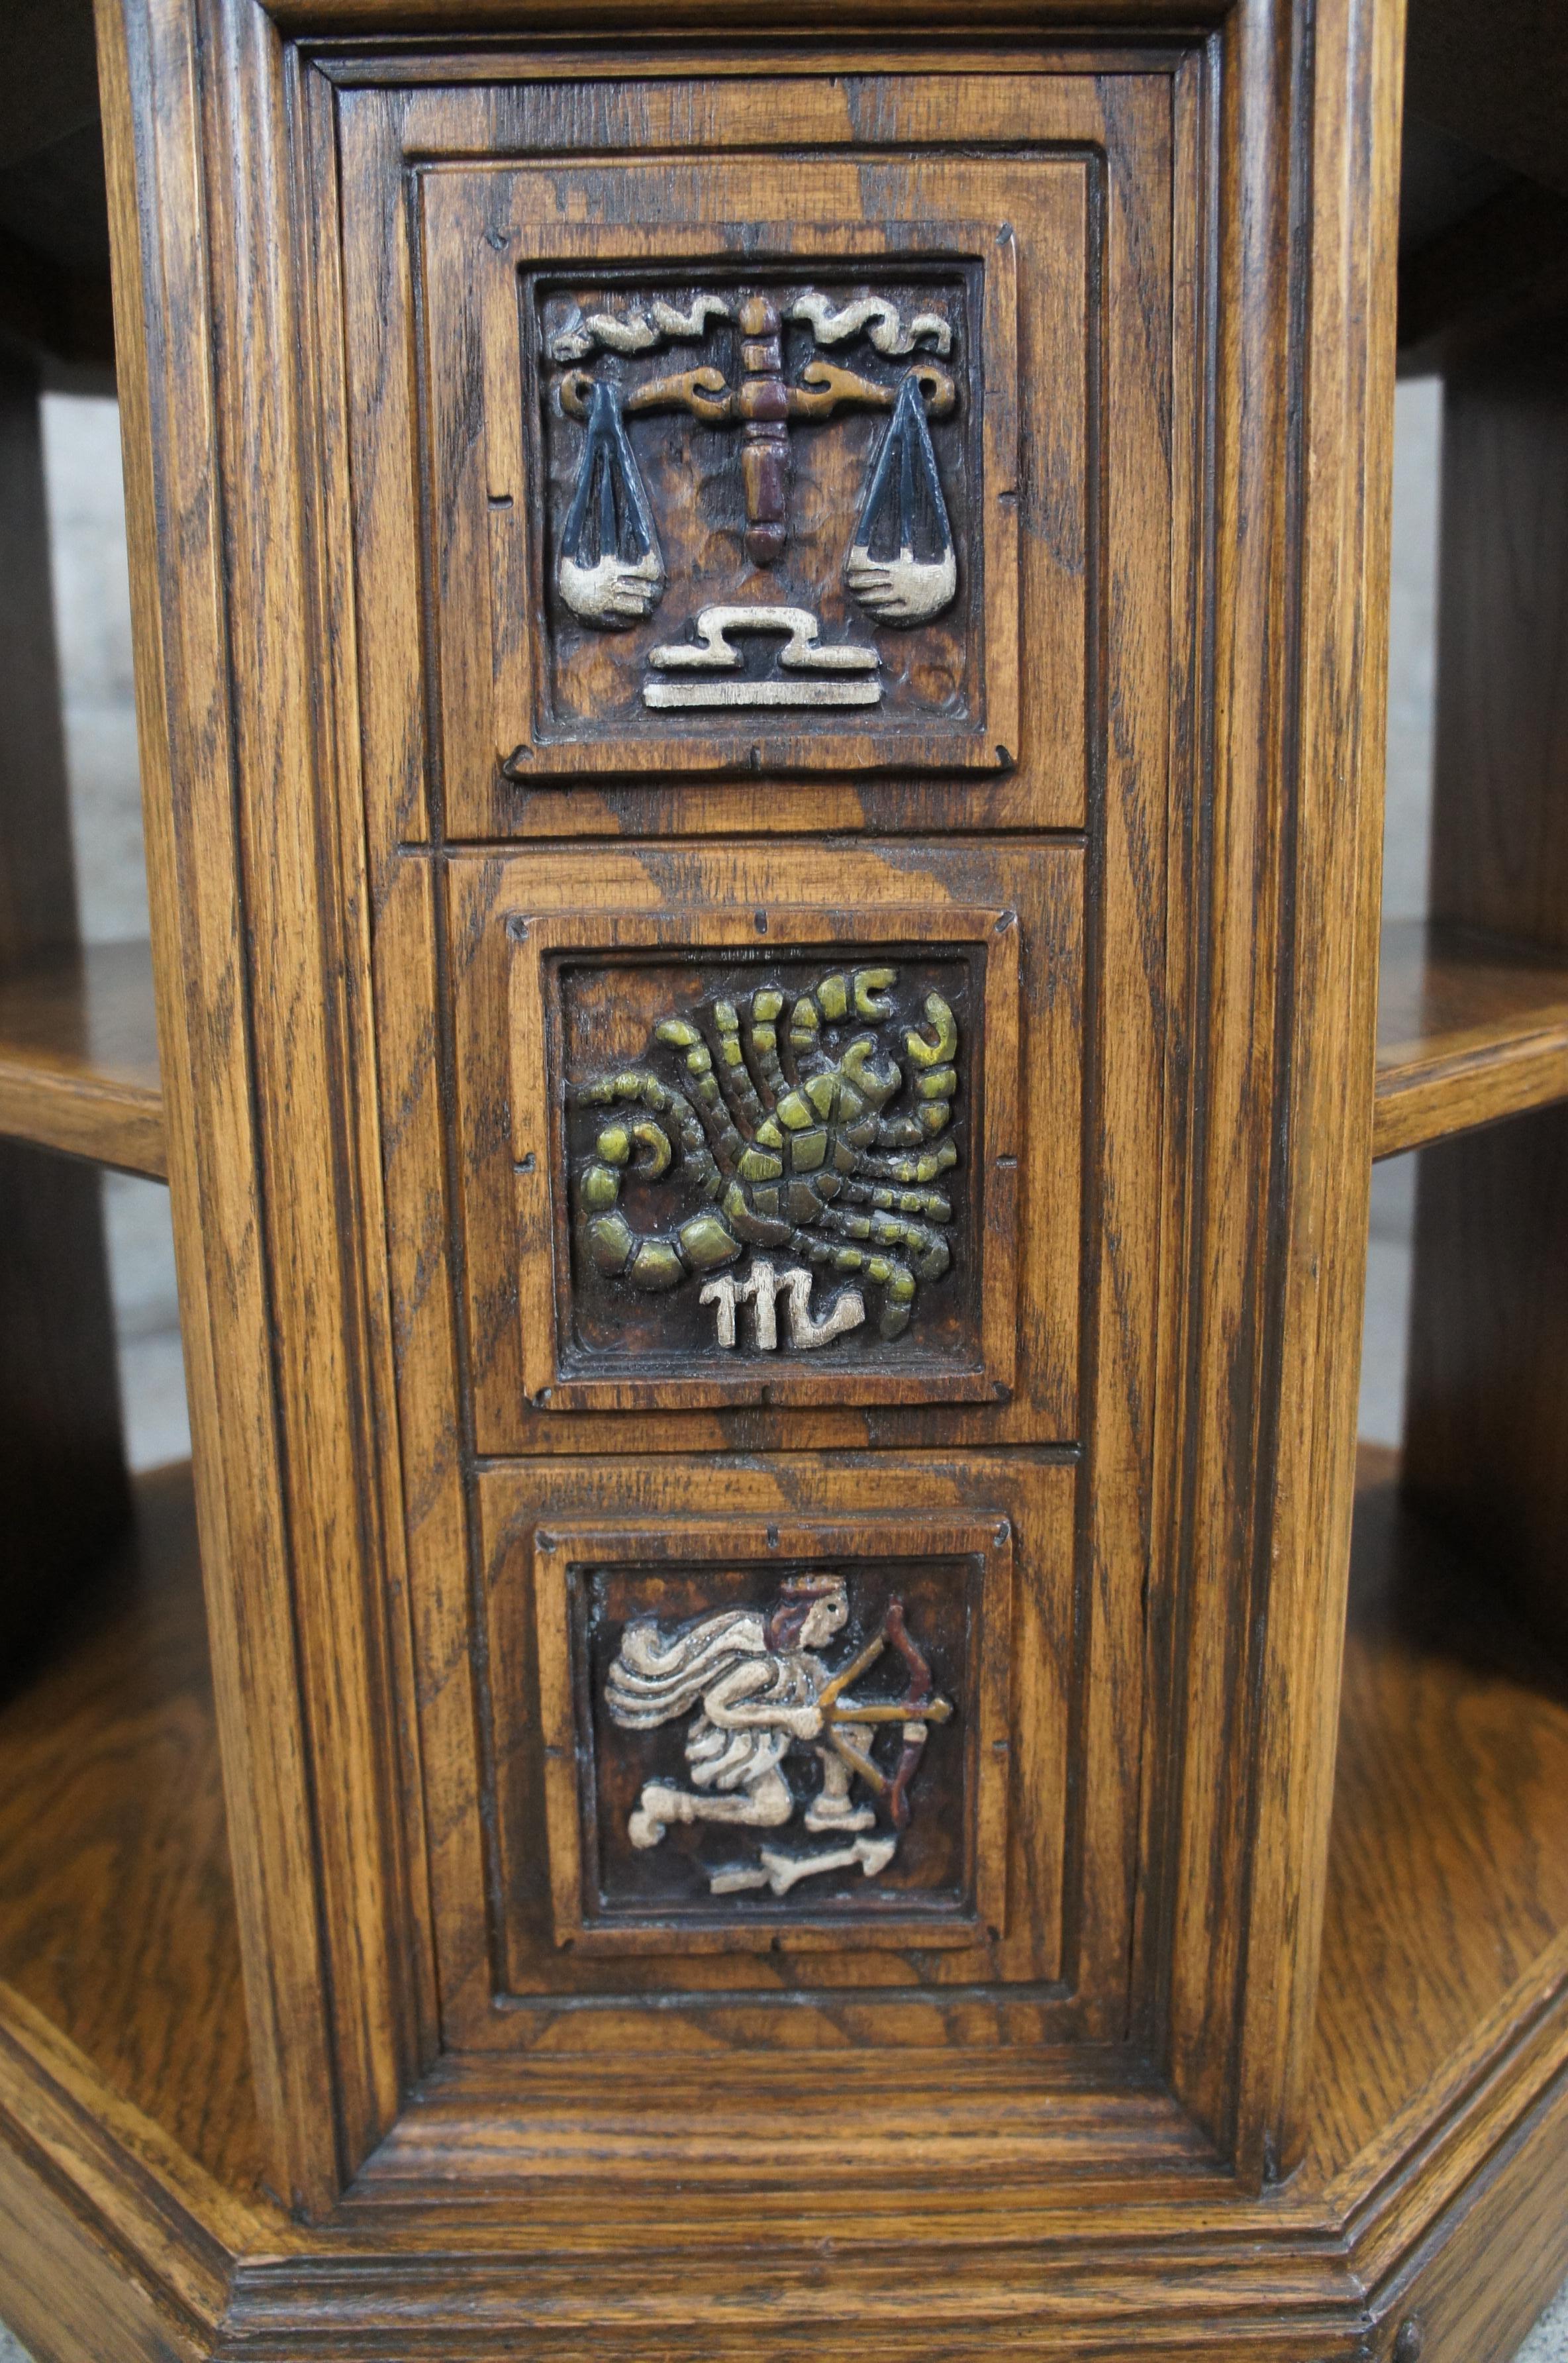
(1500, 780)
(1487, 1412)
(1500, 266)
(1487, 1434)
(1468, 1030)
(79, 1058)
(63, 1487)
(116, 1902)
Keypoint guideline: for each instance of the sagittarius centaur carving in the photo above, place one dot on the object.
(759, 1688)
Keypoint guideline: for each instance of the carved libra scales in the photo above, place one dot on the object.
(900, 565)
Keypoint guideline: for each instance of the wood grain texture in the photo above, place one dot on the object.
(1448, 1858)
(1132, 1230)
(1284, 1036)
(447, 464)
(526, 712)
(1207, 530)
(1018, 901)
(117, 1903)
(1487, 1434)
(62, 1485)
(79, 1059)
(1469, 1030)
(267, 1229)
(1045, 2203)
(867, 1997)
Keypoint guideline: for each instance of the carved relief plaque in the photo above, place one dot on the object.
(777, 1169)
(761, 500)
(744, 1741)
(719, 498)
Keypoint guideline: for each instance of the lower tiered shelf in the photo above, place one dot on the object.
(1434, 2190)
(116, 1905)
(1447, 1920)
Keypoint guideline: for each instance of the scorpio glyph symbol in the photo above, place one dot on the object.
(789, 1139)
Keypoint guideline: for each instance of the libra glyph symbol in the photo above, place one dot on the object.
(900, 566)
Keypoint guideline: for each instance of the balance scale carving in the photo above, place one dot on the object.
(900, 567)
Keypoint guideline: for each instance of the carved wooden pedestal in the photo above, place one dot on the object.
(761, 659)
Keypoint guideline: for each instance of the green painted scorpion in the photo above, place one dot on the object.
(789, 1143)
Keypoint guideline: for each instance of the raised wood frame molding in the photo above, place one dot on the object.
(1219, 1706)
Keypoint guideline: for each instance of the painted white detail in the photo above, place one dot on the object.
(761, 1288)
(802, 652)
(713, 652)
(612, 591)
(669, 696)
(882, 319)
(902, 590)
(832, 1808)
(637, 332)
(781, 1872)
(846, 1312)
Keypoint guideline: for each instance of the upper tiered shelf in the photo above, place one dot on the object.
(1468, 1030)
(79, 1059)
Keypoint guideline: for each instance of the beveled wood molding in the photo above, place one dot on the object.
(1337, 2273)
(460, 19)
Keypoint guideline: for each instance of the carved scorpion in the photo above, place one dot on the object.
(788, 1143)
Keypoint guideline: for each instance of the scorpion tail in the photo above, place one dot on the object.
(658, 1260)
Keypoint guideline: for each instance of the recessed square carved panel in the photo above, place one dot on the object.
(775, 1165)
(763, 502)
(726, 477)
(797, 1730)
(769, 1145)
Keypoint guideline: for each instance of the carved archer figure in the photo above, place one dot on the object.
(759, 1687)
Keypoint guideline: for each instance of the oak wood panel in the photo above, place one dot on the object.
(267, 1229)
(1112, 398)
(1140, 790)
(1468, 1030)
(868, 1996)
(855, 900)
(1284, 1032)
(79, 1058)
(1448, 1856)
(1215, 847)
(116, 1902)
